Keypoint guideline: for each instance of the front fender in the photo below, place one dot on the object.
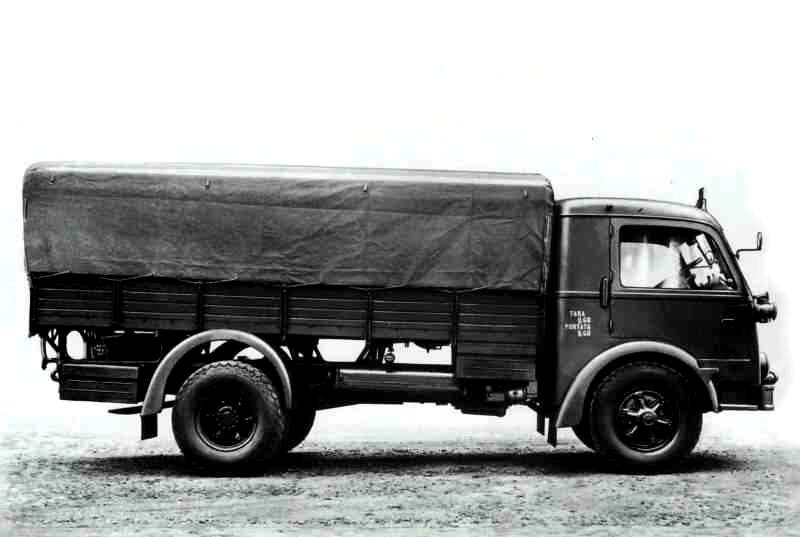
(154, 399)
(570, 412)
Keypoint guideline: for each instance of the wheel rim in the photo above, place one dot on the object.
(226, 419)
(646, 420)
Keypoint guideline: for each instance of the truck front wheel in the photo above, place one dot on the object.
(645, 417)
(228, 416)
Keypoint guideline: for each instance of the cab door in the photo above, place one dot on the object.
(673, 283)
(578, 316)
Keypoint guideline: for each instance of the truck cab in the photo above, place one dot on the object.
(655, 284)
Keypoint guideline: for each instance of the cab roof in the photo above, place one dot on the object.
(643, 208)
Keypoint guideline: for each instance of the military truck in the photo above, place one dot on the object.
(208, 289)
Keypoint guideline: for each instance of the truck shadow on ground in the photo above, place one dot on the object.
(434, 463)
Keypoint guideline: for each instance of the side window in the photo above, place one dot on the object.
(657, 257)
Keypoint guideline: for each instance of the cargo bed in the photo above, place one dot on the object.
(493, 334)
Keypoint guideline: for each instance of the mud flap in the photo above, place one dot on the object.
(541, 421)
(552, 438)
(149, 426)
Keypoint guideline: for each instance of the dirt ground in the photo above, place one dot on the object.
(85, 473)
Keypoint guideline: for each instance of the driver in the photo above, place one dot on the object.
(680, 275)
(713, 277)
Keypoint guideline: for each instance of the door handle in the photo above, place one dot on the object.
(605, 292)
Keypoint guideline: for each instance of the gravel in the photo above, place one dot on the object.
(399, 478)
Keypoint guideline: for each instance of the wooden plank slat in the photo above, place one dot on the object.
(74, 294)
(497, 349)
(241, 311)
(298, 321)
(327, 293)
(97, 396)
(395, 305)
(157, 307)
(327, 303)
(510, 309)
(498, 319)
(249, 301)
(99, 385)
(493, 328)
(94, 321)
(247, 324)
(160, 296)
(519, 336)
(330, 330)
(414, 316)
(66, 304)
(99, 371)
(318, 313)
(233, 319)
(412, 325)
(494, 297)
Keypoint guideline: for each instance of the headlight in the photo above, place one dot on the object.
(765, 311)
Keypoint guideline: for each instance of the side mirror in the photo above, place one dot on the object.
(759, 244)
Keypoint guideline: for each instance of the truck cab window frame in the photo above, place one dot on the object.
(672, 258)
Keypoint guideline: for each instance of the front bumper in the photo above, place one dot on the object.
(766, 398)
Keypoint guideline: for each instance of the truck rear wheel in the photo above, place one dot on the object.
(644, 416)
(228, 416)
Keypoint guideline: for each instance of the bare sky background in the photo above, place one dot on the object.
(604, 99)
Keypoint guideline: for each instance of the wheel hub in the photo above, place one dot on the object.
(226, 420)
(227, 417)
(648, 418)
(645, 420)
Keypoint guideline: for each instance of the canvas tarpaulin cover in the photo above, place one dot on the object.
(286, 224)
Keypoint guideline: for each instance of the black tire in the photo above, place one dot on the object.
(228, 417)
(301, 420)
(644, 416)
(584, 434)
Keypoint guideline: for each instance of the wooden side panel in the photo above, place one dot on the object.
(412, 314)
(497, 335)
(159, 304)
(69, 300)
(328, 312)
(496, 332)
(244, 306)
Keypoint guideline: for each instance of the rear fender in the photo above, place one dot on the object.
(154, 399)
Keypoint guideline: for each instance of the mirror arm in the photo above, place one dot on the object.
(759, 244)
